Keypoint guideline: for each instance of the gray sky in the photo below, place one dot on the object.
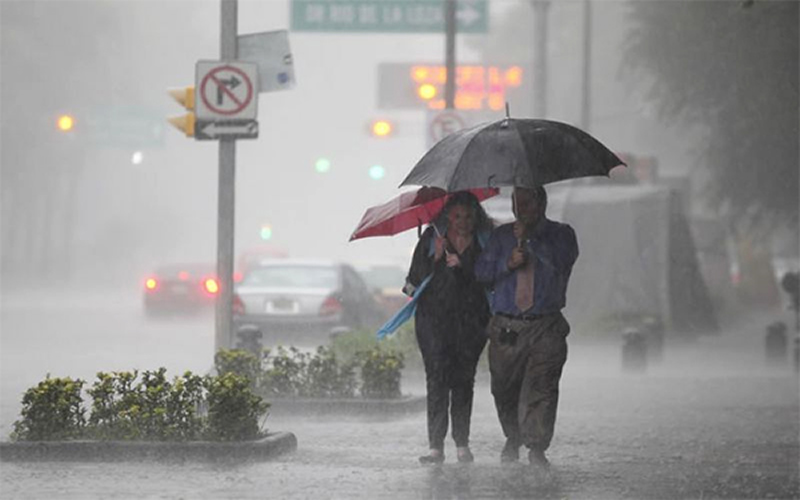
(164, 209)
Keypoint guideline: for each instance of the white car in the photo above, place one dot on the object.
(291, 299)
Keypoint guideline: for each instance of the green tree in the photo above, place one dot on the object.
(731, 67)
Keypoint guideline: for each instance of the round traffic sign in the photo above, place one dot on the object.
(444, 124)
(226, 90)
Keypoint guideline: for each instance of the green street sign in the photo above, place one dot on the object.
(125, 127)
(387, 16)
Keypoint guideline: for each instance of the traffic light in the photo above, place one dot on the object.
(376, 172)
(427, 91)
(185, 97)
(322, 165)
(381, 128)
(65, 123)
(266, 232)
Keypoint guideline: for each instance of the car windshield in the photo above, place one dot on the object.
(300, 276)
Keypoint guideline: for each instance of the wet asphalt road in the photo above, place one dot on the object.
(709, 421)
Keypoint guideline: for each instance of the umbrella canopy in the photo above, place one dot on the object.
(512, 152)
(411, 209)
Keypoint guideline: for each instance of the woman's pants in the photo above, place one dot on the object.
(450, 379)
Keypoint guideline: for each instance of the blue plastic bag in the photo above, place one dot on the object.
(405, 313)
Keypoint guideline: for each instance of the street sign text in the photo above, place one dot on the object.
(394, 16)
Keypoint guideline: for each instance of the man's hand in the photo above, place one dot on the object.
(517, 259)
(519, 230)
(518, 256)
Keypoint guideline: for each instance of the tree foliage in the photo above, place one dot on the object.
(731, 67)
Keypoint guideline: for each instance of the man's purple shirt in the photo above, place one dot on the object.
(553, 246)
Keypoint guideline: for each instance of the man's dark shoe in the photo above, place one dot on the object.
(432, 459)
(510, 452)
(538, 460)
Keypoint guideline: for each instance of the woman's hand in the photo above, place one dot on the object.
(453, 260)
(439, 245)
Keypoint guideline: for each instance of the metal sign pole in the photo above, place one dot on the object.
(540, 8)
(586, 101)
(223, 338)
(450, 54)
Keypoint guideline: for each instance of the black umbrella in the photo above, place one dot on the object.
(512, 152)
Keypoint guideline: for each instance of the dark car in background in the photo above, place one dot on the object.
(180, 289)
(386, 281)
(292, 299)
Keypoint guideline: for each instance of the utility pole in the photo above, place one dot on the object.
(450, 54)
(226, 191)
(586, 101)
(540, 8)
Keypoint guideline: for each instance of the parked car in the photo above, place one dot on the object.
(386, 282)
(180, 288)
(251, 256)
(291, 299)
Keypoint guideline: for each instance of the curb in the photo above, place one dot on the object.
(350, 407)
(116, 451)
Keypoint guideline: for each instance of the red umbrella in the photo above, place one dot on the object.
(411, 209)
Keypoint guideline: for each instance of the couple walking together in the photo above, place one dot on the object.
(505, 285)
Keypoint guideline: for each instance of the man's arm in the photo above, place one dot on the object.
(484, 266)
(570, 246)
(491, 265)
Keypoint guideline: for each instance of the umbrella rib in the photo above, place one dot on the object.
(521, 145)
(479, 129)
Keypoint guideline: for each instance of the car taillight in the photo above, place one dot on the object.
(238, 305)
(237, 277)
(151, 284)
(183, 276)
(211, 286)
(330, 307)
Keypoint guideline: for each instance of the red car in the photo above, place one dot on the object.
(180, 288)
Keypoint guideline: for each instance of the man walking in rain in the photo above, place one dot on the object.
(527, 264)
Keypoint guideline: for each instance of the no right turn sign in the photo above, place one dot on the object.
(443, 123)
(226, 90)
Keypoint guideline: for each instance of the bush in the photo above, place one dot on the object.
(404, 341)
(151, 409)
(115, 406)
(51, 411)
(325, 378)
(184, 401)
(239, 362)
(380, 373)
(289, 372)
(233, 409)
(285, 372)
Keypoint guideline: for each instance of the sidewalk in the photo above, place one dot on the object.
(711, 421)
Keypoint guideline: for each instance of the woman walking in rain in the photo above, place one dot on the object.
(451, 318)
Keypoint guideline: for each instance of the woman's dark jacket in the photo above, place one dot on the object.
(452, 311)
